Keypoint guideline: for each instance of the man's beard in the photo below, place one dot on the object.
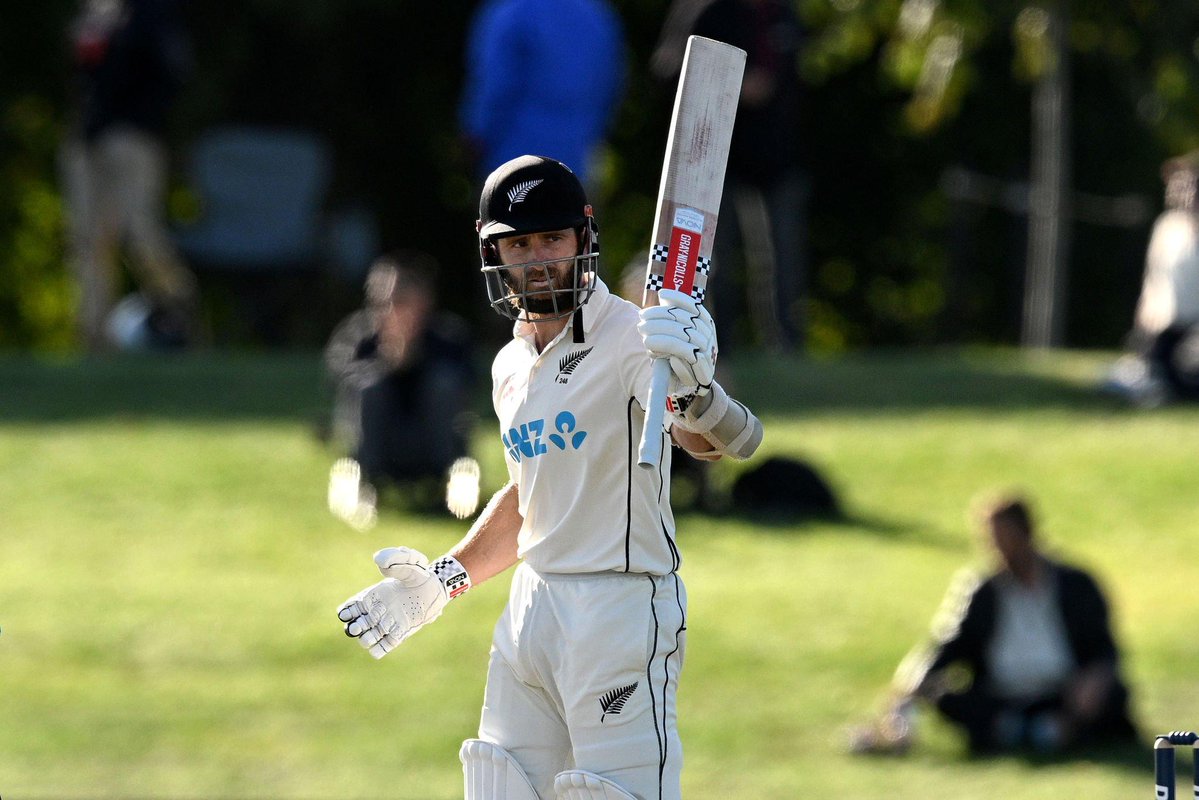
(558, 297)
(547, 303)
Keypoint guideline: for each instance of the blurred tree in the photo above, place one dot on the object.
(900, 92)
(36, 297)
(35, 292)
(961, 74)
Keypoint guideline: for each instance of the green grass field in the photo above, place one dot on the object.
(169, 572)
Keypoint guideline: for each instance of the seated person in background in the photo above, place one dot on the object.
(1163, 362)
(403, 376)
(1035, 639)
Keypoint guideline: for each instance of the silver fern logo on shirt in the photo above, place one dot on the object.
(569, 362)
(520, 192)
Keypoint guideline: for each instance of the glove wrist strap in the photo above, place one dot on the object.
(726, 424)
(452, 575)
(701, 413)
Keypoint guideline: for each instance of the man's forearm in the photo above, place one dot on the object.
(489, 547)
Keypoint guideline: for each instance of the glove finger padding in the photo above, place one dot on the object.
(385, 646)
(370, 637)
(672, 298)
(681, 331)
(667, 346)
(402, 563)
(357, 626)
(383, 615)
(349, 611)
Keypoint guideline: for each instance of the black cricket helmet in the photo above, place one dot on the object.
(534, 194)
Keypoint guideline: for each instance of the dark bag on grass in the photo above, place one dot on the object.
(784, 487)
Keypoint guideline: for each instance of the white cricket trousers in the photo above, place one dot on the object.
(583, 674)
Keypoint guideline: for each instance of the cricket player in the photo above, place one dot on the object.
(585, 660)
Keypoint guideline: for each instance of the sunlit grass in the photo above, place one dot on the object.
(169, 570)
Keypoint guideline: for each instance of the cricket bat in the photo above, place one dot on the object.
(697, 152)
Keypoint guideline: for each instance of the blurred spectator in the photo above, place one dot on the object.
(131, 56)
(403, 375)
(1035, 639)
(544, 77)
(1163, 362)
(763, 214)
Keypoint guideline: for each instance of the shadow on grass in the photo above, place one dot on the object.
(775, 523)
(1132, 757)
(291, 386)
(888, 381)
(216, 386)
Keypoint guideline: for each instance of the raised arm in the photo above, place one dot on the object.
(707, 423)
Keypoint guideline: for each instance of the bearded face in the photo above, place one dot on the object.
(540, 272)
(542, 288)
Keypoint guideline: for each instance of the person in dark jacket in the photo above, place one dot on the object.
(1036, 640)
(402, 372)
(131, 58)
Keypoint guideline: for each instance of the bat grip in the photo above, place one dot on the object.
(649, 452)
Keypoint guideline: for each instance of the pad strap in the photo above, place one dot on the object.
(452, 575)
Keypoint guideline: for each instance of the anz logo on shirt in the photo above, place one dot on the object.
(527, 442)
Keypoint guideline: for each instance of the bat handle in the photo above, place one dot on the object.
(649, 452)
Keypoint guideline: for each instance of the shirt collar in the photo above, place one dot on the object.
(592, 309)
(1042, 580)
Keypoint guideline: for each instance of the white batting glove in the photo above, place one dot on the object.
(412, 595)
(681, 330)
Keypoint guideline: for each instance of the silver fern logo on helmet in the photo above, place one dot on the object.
(519, 192)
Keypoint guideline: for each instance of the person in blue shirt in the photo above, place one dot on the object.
(543, 76)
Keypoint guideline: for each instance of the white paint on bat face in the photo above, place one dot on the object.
(697, 149)
(693, 169)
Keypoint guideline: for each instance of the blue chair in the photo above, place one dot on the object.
(262, 193)
(260, 245)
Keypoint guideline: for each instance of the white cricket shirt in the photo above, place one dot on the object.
(570, 421)
(1170, 290)
(1029, 655)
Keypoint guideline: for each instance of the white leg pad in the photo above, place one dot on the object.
(491, 773)
(579, 784)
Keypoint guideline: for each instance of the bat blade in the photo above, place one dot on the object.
(697, 153)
